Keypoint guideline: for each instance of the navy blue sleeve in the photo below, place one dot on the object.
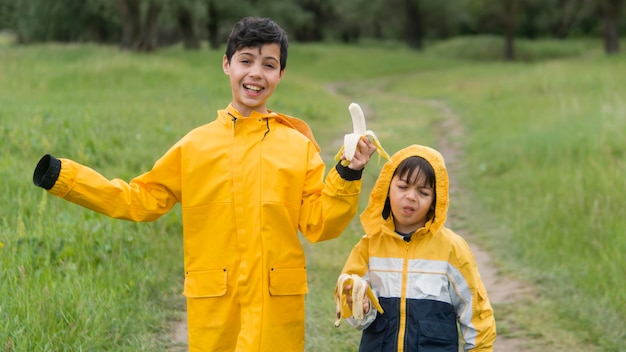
(347, 173)
(47, 171)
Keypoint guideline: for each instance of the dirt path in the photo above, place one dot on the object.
(178, 337)
(500, 288)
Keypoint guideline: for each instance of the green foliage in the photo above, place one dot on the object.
(66, 20)
(491, 48)
(7, 11)
(348, 21)
(559, 19)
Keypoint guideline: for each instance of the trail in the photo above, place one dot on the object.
(500, 288)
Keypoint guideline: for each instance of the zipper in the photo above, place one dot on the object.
(403, 312)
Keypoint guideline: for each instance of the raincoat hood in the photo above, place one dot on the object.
(374, 216)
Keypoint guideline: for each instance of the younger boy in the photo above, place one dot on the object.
(424, 274)
(247, 182)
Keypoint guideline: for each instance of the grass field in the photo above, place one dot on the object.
(545, 159)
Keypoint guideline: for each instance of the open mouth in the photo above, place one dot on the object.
(252, 88)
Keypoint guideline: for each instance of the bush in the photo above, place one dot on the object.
(491, 48)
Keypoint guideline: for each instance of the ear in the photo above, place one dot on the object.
(281, 74)
(225, 65)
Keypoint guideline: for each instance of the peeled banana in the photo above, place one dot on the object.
(360, 288)
(359, 130)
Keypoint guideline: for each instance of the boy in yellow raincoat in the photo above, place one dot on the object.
(424, 275)
(247, 182)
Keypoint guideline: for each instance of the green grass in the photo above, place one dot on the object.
(543, 174)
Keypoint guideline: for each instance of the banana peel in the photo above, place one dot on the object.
(360, 288)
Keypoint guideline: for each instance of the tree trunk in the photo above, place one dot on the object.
(187, 29)
(610, 13)
(509, 27)
(135, 36)
(150, 29)
(213, 25)
(131, 24)
(414, 24)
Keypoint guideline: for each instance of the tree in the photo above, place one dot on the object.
(213, 26)
(61, 20)
(610, 20)
(510, 10)
(184, 13)
(138, 35)
(321, 12)
(7, 14)
(414, 24)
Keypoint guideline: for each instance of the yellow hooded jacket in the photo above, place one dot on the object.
(426, 285)
(246, 186)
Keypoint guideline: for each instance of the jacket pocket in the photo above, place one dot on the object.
(288, 281)
(206, 283)
(438, 336)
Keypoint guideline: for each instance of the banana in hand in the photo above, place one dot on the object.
(351, 140)
(360, 288)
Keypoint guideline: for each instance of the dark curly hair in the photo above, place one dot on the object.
(254, 32)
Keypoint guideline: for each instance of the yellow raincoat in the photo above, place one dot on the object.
(426, 285)
(246, 186)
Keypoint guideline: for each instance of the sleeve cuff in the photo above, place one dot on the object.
(47, 172)
(347, 173)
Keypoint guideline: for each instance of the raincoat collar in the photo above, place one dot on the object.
(372, 218)
(227, 116)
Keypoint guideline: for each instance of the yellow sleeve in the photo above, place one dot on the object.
(145, 198)
(328, 205)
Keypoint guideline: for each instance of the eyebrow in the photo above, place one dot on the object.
(248, 53)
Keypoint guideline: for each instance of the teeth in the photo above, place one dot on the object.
(255, 88)
(360, 288)
(359, 130)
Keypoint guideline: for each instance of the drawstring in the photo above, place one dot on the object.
(234, 119)
(267, 124)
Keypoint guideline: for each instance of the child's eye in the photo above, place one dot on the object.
(425, 192)
(270, 66)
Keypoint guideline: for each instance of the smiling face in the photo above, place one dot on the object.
(254, 74)
(411, 198)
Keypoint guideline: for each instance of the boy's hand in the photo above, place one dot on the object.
(364, 151)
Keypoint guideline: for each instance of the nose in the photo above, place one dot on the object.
(255, 71)
(411, 194)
